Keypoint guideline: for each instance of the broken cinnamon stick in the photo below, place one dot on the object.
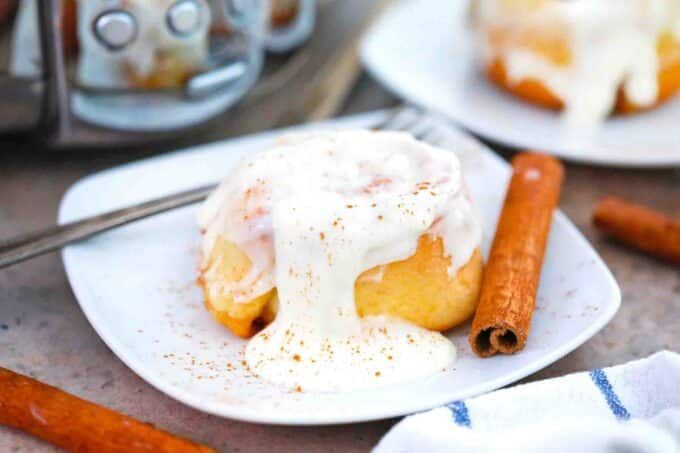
(508, 297)
(78, 425)
(640, 227)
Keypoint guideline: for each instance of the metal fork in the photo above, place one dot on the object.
(404, 118)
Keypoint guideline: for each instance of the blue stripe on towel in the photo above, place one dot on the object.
(460, 413)
(600, 379)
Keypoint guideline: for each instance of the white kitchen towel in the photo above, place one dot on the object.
(627, 408)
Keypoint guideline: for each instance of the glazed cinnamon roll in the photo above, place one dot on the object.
(587, 57)
(359, 240)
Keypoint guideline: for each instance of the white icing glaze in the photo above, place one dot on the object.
(314, 212)
(612, 44)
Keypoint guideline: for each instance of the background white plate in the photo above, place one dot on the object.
(421, 50)
(136, 286)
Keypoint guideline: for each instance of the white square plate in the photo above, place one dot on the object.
(421, 50)
(136, 285)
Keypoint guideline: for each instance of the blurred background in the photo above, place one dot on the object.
(92, 74)
(86, 85)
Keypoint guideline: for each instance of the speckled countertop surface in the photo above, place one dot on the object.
(44, 334)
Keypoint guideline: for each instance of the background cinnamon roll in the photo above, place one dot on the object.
(588, 58)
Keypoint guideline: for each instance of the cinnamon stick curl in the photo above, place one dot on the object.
(508, 298)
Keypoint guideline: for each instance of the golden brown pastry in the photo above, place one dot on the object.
(417, 289)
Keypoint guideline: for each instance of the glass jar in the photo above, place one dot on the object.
(144, 65)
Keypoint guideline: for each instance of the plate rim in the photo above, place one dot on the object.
(381, 75)
(83, 292)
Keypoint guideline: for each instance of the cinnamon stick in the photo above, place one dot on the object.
(508, 297)
(647, 230)
(78, 425)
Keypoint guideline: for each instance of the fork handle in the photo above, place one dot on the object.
(34, 244)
